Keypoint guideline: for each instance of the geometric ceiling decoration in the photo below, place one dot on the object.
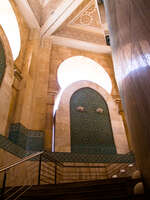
(88, 17)
(51, 17)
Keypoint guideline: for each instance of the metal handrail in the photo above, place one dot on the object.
(21, 161)
(43, 158)
(83, 166)
(54, 160)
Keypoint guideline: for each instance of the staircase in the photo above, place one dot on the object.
(110, 189)
(40, 176)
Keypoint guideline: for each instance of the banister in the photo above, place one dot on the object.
(21, 161)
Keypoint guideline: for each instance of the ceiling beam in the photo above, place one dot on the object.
(59, 16)
(28, 14)
(78, 44)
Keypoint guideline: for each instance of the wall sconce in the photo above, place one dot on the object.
(99, 110)
(80, 108)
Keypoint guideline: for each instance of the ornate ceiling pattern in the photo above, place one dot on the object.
(88, 16)
(74, 21)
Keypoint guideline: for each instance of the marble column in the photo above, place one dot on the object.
(129, 26)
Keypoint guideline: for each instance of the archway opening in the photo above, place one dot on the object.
(79, 68)
(82, 68)
(9, 24)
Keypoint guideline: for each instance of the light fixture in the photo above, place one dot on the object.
(115, 176)
(122, 170)
(130, 165)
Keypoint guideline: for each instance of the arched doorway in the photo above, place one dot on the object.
(62, 132)
(90, 125)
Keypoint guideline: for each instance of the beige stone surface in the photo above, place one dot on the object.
(82, 172)
(61, 53)
(22, 174)
(6, 85)
(25, 173)
(37, 9)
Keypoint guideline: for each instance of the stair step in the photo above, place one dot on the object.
(110, 189)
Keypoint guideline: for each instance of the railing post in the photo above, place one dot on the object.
(55, 173)
(39, 174)
(4, 184)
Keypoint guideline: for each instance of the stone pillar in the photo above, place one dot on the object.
(23, 113)
(129, 22)
(50, 119)
(121, 112)
(32, 99)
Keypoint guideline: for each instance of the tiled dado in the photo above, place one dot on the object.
(29, 140)
(12, 148)
(92, 158)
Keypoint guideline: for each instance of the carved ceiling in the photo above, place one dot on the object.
(84, 25)
(42, 9)
(65, 19)
(87, 17)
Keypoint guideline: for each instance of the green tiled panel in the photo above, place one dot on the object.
(92, 158)
(10, 147)
(29, 140)
(91, 132)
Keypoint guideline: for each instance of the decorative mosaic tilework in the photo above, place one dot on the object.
(10, 147)
(92, 158)
(91, 130)
(29, 140)
(2, 61)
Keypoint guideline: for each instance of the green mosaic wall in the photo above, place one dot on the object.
(2, 61)
(92, 158)
(91, 132)
(12, 148)
(30, 140)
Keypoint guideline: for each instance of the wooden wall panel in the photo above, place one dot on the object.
(129, 25)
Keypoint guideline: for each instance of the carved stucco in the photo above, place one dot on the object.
(87, 17)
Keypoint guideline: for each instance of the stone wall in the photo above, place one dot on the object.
(6, 84)
(31, 102)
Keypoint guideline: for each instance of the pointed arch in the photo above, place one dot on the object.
(79, 68)
(62, 131)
